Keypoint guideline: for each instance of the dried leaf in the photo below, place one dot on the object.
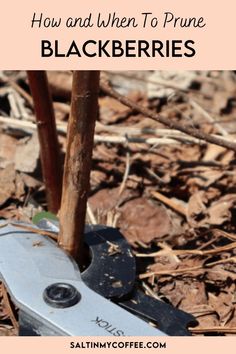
(196, 208)
(216, 214)
(27, 154)
(7, 149)
(144, 221)
(7, 183)
(212, 152)
(60, 83)
(30, 181)
(219, 211)
(112, 110)
(205, 177)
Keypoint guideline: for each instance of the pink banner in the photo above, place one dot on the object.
(117, 35)
(169, 345)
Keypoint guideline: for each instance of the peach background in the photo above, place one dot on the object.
(20, 45)
(61, 345)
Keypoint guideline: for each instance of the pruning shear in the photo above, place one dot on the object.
(55, 298)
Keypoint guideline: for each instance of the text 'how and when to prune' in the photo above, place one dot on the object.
(114, 46)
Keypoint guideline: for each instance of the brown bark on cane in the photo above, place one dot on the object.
(80, 135)
(49, 146)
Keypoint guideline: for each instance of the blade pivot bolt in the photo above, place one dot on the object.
(61, 295)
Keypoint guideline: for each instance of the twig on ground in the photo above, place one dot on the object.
(196, 252)
(18, 109)
(8, 306)
(175, 205)
(203, 330)
(113, 139)
(126, 174)
(91, 215)
(112, 217)
(218, 232)
(176, 272)
(21, 91)
(166, 121)
(138, 140)
(149, 291)
(25, 124)
(208, 117)
(167, 136)
(169, 251)
(154, 175)
(207, 244)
